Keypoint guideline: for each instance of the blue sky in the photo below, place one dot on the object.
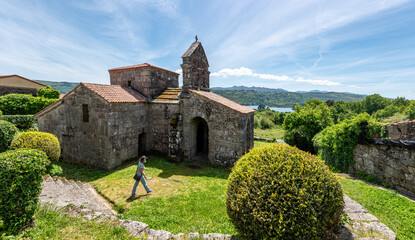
(354, 46)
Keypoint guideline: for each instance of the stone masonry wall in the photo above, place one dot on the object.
(395, 165)
(9, 90)
(228, 130)
(392, 164)
(81, 142)
(149, 81)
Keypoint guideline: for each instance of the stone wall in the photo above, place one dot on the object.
(149, 81)
(110, 136)
(402, 130)
(394, 165)
(391, 163)
(8, 90)
(230, 133)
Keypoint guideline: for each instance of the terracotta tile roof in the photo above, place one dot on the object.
(114, 93)
(224, 101)
(143, 65)
(170, 95)
(15, 75)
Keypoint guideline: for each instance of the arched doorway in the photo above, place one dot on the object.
(200, 136)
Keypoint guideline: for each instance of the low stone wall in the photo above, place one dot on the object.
(392, 161)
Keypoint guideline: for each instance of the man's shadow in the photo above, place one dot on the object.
(133, 198)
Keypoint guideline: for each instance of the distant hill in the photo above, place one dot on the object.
(283, 98)
(253, 95)
(63, 87)
(256, 89)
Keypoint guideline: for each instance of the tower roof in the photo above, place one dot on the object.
(193, 49)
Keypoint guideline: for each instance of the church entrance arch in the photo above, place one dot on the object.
(200, 137)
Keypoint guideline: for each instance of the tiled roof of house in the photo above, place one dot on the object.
(114, 93)
(143, 65)
(169, 95)
(223, 101)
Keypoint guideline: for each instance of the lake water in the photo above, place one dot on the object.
(275, 109)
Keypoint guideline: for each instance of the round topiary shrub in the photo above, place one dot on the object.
(48, 92)
(281, 192)
(7, 132)
(21, 174)
(39, 140)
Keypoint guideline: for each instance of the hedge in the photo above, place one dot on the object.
(23, 104)
(39, 140)
(7, 132)
(21, 174)
(21, 121)
(281, 192)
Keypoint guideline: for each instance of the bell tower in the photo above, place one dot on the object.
(195, 68)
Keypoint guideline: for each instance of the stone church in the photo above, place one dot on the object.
(144, 110)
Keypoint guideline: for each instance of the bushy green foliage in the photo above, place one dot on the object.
(303, 124)
(265, 123)
(281, 192)
(375, 102)
(39, 140)
(7, 132)
(48, 92)
(1, 114)
(54, 170)
(336, 143)
(21, 174)
(410, 111)
(21, 121)
(23, 104)
(386, 112)
(341, 111)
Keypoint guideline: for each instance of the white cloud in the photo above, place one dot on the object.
(243, 71)
(353, 86)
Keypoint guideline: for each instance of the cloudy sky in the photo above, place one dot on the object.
(354, 46)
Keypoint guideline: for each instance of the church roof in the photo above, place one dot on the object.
(191, 49)
(114, 93)
(138, 66)
(170, 95)
(224, 101)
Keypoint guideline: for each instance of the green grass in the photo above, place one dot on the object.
(275, 132)
(197, 206)
(395, 211)
(52, 224)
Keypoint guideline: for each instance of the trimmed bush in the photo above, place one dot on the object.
(281, 192)
(39, 140)
(7, 132)
(21, 174)
(21, 121)
(23, 104)
(48, 92)
(336, 143)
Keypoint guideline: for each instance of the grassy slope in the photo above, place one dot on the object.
(52, 224)
(275, 132)
(197, 206)
(395, 211)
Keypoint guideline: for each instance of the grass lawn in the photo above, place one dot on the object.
(184, 200)
(395, 211)
(275, 132)
(52, 224)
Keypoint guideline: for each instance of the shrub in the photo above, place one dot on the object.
(39, 140)
(23, 104)
(7, 132)
(303, 124)
(265, 123)
(48, 92)
(281, 192)
(21, 121)
(410, 111)
(336, 143)
(388, 111)
(21, 174)
(1, 114)
(54, 170)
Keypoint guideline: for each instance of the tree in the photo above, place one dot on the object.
(375, 102)
(48, 92)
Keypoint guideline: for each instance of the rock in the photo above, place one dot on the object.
(158, 234)
(133, 227)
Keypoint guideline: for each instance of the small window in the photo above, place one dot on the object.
(129, 83)
(85, 113)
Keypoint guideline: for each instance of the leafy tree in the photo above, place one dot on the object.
(48, 92)
(401, 101)
(388, 111)
(303, 124)
(375, 102)
(410, 111)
